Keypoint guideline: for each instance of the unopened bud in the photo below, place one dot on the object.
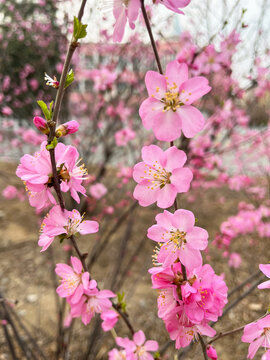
(211, 352)
(67, 128)
(41, 125)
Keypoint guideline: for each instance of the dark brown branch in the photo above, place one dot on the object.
(203, 347)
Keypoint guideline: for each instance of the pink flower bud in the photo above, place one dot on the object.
(67, 128)
(211, 352)
(41, 125)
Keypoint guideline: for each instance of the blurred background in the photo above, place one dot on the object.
(228, 42)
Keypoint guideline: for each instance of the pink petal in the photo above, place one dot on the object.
(88, 227)
(181, 179)
(139, 338)
(265, 268)
(153, 155)
(254, 346)
(177, 73)
(148, 110)
(139, 171)
(151, 345)
(166, 196)
(264, 285)
(155, 233)
(119, 27)
(167, 125)
(175, 158)
(183, 220)
(76, 264)
(155, 84)
(197, 238)
(165, 219)
(144, 194)
(190, 258)
(193, 89)
(192, 120)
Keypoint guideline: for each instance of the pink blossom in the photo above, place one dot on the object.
(109, 318)
(115, 354)
(74, 281)
(98, 190)
(10, 192)
(265, 268)
(211, 352)
(58, 222)
(124, 10)
(235, 260)
(200, 298)
(36, 172)
(257, 334)
(174, 5)
(67, 128)
(179, 237)
(123, 136)
(266, 356)
(93, 301)
(103, 78)
(168, 109)
(138, 348)
(161, 176)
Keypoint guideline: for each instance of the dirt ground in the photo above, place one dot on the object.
(27, 280)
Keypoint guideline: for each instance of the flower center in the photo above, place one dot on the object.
(178, 238)
(157, 176)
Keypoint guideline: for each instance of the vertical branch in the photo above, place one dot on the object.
(203, 347)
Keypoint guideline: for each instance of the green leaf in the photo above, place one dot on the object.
(44, 108)
(157, 355)
(70, 78)
(51, 108)
(79, 29)
(52, 145)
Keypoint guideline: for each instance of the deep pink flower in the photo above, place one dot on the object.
(138, 349)
(69, 223)
(200, 298)
(36, 172)
(265, 268)
(124, 10)
(168, 109)
(93, 301)
(74, 281)
(174, 5)
(183, 331)
(257, 334)
(161, 176)
(179, 237)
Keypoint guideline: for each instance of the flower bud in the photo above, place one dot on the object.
(211, 352)
(67, 128)
(41, 125)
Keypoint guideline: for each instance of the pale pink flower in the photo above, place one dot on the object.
(10, 192)
(103, 78)
(124, 10)
(115, 354)
(138, 348)
(93, 301)
(74, 280)
(98, 190)
(68, 223)
(257, 334)
(161, 176)
(123, 136)
(265, 268)
(179, 238)
(36, 172)
(168, 109)
(235, 260)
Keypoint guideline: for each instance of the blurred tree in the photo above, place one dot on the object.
(31, 43)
